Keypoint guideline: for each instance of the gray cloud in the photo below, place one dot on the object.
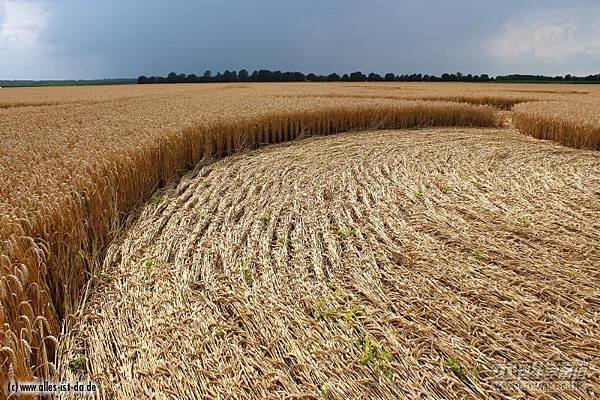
(553, 40)
(77, 39)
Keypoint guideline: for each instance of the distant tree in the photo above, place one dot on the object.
(243, 75)
(264, 75)
(333, 77)
(142, 79)
(276, 76)
(389, 77)
(357, 77)
(207, 76)
(172, 77)
(298, 77)
(229, 76)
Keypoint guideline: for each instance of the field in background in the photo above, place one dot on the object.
(75, 161)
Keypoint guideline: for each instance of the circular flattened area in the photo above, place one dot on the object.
(385, 264)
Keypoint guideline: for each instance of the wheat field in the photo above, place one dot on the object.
(76, 162)
(269, 274)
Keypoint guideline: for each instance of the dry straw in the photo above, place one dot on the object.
(71, 172)
(377, 265)
(49, 253)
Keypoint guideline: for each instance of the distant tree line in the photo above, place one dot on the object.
(543, 78)
(265, 75)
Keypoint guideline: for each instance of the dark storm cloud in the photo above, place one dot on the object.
(77, 39)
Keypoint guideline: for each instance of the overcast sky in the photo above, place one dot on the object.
(64, 39)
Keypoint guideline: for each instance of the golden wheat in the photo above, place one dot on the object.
(574, 124)
(55, 234)
(502, 102)
(353, 266)
(75, 161)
